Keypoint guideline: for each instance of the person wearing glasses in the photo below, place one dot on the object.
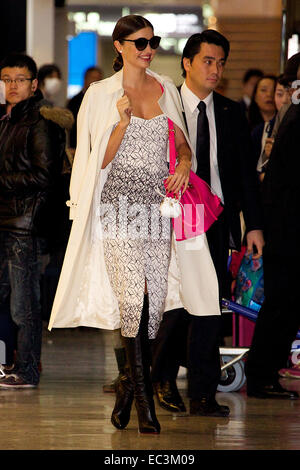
(31, 149)
(115, 273)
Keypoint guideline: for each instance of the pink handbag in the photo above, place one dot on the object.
(200, 208)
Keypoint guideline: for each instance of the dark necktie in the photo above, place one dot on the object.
(202, 146)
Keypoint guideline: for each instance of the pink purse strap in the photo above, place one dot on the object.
(172, 147)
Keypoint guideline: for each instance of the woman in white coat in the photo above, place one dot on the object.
(137, 250)
(122, 142)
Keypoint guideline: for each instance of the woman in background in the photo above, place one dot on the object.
(262, 107)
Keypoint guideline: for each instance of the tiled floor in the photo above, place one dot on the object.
(70, 411)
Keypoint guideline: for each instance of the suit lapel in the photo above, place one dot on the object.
(183, 111)
(220, 109)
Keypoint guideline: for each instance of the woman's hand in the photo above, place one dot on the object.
(115, 139)
(180, 179)
(125, 110)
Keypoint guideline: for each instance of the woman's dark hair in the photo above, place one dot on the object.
(125, 26)
(46, 70)
(252, 73)
(282, 80)
(254, 115)
(20, 60)
(193, 44)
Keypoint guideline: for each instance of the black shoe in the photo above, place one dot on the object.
(208, 407)
(124, 397)
(8, 370)
(271, 391)
(169, 397)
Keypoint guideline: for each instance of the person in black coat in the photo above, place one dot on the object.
(250, 78)
(279, 319)
(92, 74)
(232, 176)
(31, 149)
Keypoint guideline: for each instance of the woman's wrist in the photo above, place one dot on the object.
(186, 159)
(122, 125)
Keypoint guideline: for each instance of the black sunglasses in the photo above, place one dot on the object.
(142, 43)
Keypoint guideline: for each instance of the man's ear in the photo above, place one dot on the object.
(34, 85)
(186, 63)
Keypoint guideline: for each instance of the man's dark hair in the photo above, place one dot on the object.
(47, 70)
(291, 68)
(209, 36)
(252, 73)
(20, 60)
(94, 68)
(282, 80)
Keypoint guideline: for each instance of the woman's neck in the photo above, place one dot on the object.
(134, 77)
(267, 115)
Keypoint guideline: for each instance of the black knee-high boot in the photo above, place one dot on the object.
(124, 397)
(146, 346)
(144, 403)
(139, 359)
(146, 355)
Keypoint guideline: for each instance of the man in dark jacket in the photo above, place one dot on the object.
(31, 149)
(279, 319)
(92, 74)
(220, 137)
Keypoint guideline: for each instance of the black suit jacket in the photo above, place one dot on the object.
(281, 190)
(237, 168)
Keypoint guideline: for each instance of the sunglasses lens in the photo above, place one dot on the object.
(141, 44)
(154, 42)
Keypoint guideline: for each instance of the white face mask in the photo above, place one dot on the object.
(52, 86)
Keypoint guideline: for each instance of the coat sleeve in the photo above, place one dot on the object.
(82, 152)
(251, 201)
(43, 143)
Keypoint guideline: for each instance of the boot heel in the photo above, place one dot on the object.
(148, 423)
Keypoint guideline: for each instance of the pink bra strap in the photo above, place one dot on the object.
(172, 147)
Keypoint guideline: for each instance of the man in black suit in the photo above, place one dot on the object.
(219, 133)
(250, 78)
(279, 319)
(92, 74)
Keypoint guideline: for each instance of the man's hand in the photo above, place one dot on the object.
(255, 238)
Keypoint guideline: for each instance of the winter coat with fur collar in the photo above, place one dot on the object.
(32, 146)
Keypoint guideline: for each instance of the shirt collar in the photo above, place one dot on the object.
(192, 100)
(247, 100)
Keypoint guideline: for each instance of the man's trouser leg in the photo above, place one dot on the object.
(24, 279)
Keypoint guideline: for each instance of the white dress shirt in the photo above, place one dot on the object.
(190, 103)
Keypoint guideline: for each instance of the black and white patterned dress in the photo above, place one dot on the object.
(136, 238)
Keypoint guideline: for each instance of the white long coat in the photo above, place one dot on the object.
(84, 296)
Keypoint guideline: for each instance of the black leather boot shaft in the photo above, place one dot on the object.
(124, 397)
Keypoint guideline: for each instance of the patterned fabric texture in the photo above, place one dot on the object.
(136, 238)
